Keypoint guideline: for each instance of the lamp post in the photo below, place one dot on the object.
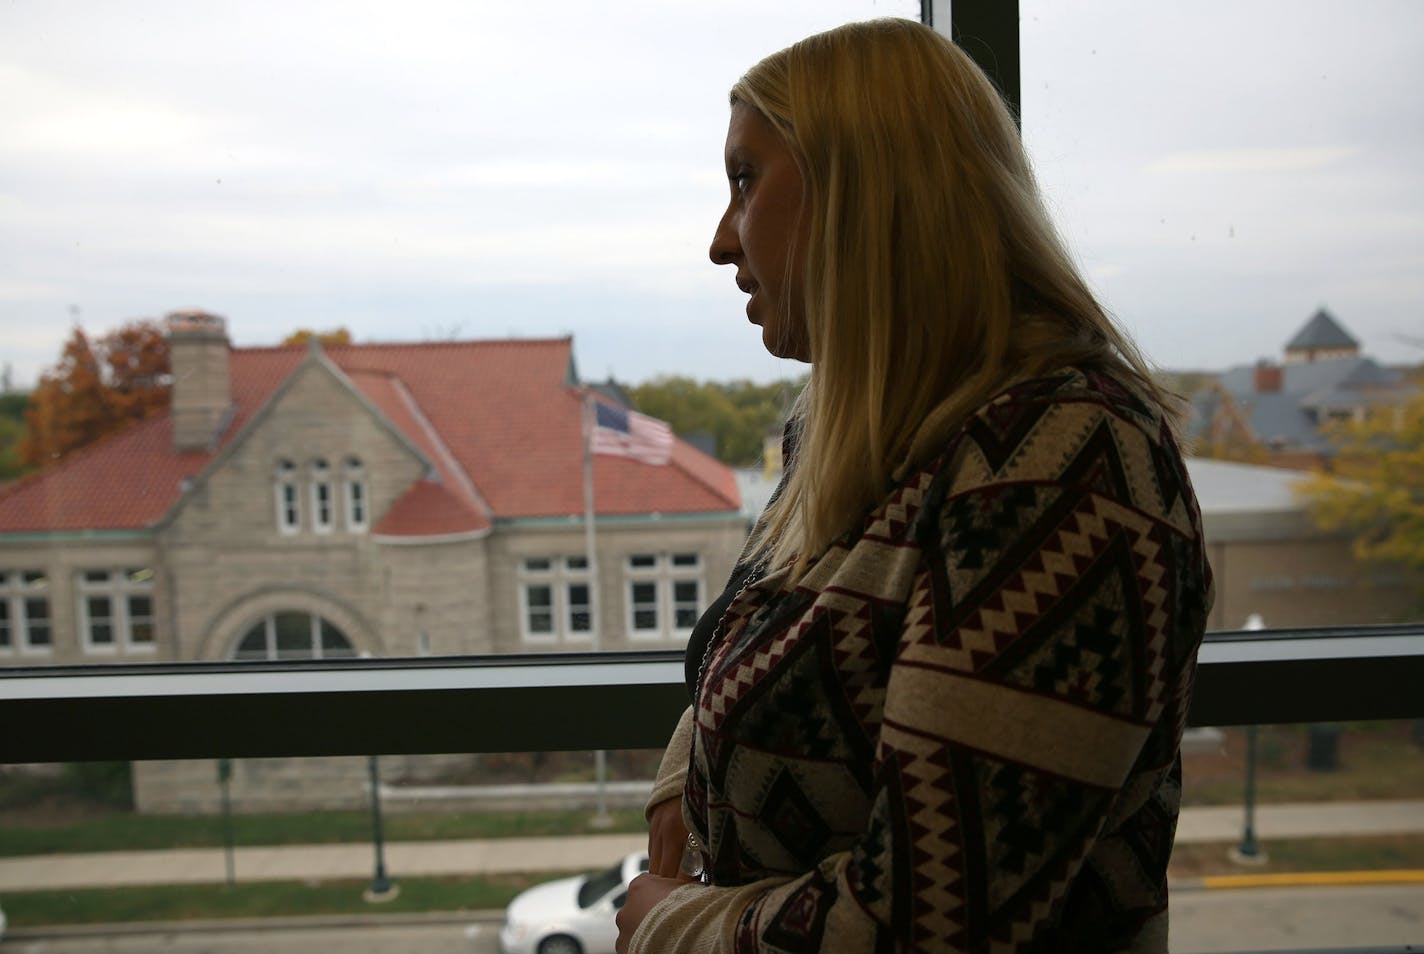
(1249, 851)
(382, 888)
(225, 779)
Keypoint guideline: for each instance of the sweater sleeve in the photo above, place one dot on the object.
(672, 770)
(1041, 648)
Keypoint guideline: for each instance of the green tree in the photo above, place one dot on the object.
(1375, 490)
(12, 433)
(738, 414)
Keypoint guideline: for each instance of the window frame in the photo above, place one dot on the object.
(356, 506)
(118, 587)
(560, 575)
(322, 496)
(271, 648)
(663, 571)
(288, 497)
(17, 592)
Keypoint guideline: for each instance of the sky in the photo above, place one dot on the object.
(475, 169)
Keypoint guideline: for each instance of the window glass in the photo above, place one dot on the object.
(37, 622)
(334, 642)
(644, 596)
(540, 601)
(140, 609)
(686, 599)
(294, 635)
(1205, 200)
(101, 628)
(580, 618)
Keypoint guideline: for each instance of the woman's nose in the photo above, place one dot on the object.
(724, 243)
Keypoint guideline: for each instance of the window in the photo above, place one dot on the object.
(293, 635)
(321, 496)
(664, 594)
(355, 495)
(116, 609)
(24, 612)
(556, 599)
(289, 515)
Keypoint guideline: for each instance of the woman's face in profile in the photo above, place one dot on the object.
(763, 232)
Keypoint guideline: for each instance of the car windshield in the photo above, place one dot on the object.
(598, 884)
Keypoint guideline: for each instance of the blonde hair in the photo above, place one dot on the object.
(933, 275)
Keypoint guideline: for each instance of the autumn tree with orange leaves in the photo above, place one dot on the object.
(336, 336)
(96, 390)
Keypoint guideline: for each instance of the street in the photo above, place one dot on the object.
(1203, 922)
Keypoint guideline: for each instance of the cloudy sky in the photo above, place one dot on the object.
(425, 169)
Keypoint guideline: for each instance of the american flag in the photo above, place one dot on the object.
(626, 433)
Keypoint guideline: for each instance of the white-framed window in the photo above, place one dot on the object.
(25, 625)
(321, 502)
(116, 609)
(293, 635)
(357, 516)
(289, 511)
(665, 594)
(556, 599)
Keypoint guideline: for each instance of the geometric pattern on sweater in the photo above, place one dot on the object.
(959, 730)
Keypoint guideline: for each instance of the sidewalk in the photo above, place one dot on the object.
(584, 852)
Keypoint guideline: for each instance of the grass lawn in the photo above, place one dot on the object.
(257, 900)
(35, 832)
(1376, 760)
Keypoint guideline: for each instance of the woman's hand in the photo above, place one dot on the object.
(645, 891)
(667, 838)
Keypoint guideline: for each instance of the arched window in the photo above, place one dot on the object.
(356, 510)
(289, 514)
(321, 496)
(292, 635)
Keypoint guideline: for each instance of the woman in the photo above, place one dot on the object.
(940, 705)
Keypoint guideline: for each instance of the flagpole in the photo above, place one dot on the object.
(601, 818)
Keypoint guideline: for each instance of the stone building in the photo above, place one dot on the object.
(378, 499)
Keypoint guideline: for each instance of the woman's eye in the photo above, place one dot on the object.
(740, 181)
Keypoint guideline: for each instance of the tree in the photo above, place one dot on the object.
(336, 336)
(738, 414)
(1376, 488)
(96, 390)
(12, 433)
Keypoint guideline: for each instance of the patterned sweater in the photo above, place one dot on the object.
(960, 729)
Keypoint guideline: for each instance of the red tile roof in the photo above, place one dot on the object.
(499, 421)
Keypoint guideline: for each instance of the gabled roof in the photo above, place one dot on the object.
(1355, 373)
(501, 421)
(1321, 331)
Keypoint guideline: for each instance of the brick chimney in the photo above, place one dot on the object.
(202, 392)
(1268, 378)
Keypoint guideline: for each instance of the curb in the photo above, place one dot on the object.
(1300, 879)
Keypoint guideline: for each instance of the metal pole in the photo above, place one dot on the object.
(601, 818)
(224, 777)
(381, 889)
(1249, 851)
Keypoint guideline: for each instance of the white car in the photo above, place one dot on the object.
(570, 915)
